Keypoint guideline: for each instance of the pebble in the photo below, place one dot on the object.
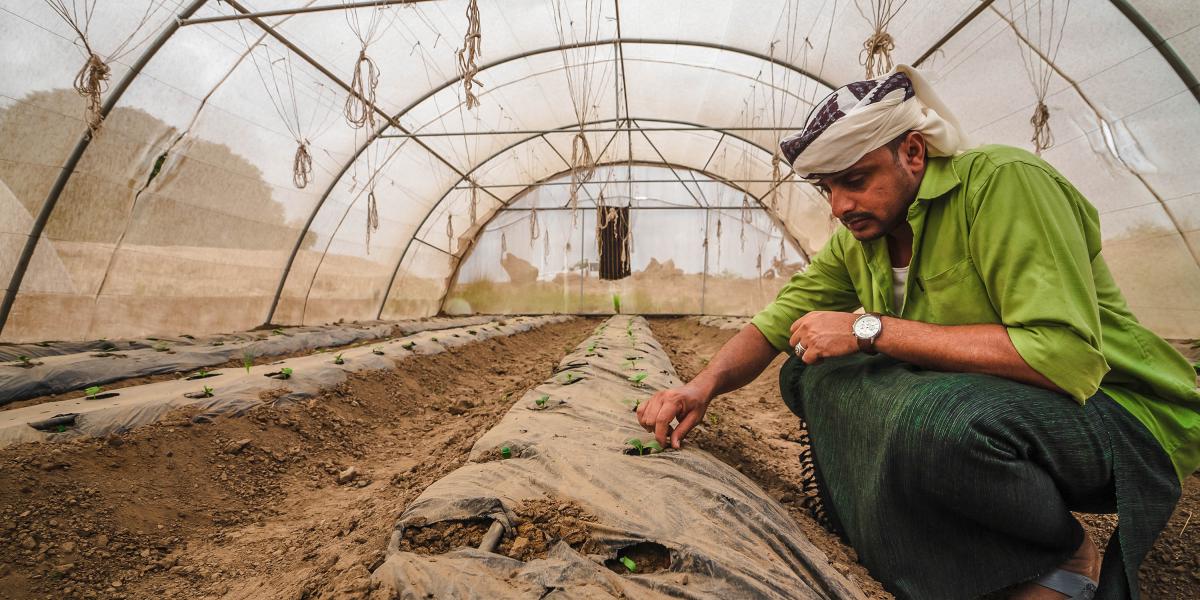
(102, 540)
(347, 475)
(236, 447)
(68, 546)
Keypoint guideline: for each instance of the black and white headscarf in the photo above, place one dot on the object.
(865, 115)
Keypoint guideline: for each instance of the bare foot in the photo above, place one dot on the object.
(1085, 561)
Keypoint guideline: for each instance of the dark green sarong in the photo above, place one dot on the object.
(954, 485)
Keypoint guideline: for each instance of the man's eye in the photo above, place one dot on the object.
(854, 182)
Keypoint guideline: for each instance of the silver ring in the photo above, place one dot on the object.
(799, 350)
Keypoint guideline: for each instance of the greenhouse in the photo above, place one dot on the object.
(419, 298)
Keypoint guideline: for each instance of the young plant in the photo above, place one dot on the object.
(433, 339)
(338, 360)
(409, 346)
(629, 564)
(24, 361)
(641, 448)
(638, 378)
(247, 359)
(712, 419)
(376, 350)
(505, 452)
(616, 299)
(570, 377)
(207, 392)
(161, 347)
(541, 402)
(277, 331)
(218, 343)
(285, 373)
(472, 332)
(92, 392)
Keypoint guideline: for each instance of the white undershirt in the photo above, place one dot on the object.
(899, 280)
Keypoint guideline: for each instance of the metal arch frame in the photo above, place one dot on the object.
(462, 258)
(1132, 14)
(703, 170)
(619, 42)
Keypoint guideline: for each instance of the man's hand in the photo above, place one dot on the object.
(824, 335)
(684, 403)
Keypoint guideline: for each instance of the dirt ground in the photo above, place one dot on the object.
(282, 503)
(755, 417)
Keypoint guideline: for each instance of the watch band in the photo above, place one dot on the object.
(867, 345)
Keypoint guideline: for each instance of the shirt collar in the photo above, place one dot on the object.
(939, 178)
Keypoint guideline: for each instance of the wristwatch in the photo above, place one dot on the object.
(867, 328)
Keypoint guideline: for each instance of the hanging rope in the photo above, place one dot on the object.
(450, 232)
(535, 229)
(474, 202)
(583, 168)
(360, 103)
(1043, 32)
(302, 166)
(503, 244)
(91, 82)
(579, 62)
(877, 49)
(745, 218)
(468, 55)
(372, 217)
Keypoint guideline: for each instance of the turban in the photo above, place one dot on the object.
(865, 115)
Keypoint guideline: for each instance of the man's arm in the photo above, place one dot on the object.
(983, 348)
(737, 363)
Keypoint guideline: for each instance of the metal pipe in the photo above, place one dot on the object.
(418, 134)
(509, 185)
(953, 32)
(1164, 48)
(294, 11)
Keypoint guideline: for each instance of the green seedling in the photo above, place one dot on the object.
(712, 419)
(506, 452)
(218, 343)
(616, 299)
(92, 392)
(285, 373)
(541, 402)
(433, 339)
(591, 349)
(570, 377)
(277, 331)
(201, 374)
(338, 360)
(409, 346)
(638, 377)
(377, 350)
(25, 361)
(629, 564)
(207, 392)
(161, 347)
(643, 448)
(1196, 366)
(632, 402)
(247, 359)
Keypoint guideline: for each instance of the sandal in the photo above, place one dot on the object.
(1074, 585)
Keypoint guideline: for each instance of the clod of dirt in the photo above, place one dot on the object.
(542, 523)
(444, 536)
(236, 447)
(347, 475)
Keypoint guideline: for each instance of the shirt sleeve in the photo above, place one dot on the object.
(1033, 239)
(824, 285)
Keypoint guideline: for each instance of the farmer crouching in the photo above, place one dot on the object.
(996, 381)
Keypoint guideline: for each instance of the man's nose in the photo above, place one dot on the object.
(840, 203)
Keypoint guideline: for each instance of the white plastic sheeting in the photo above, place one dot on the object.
(182, 213)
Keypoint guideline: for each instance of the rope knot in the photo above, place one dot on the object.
(91, 82)
(302, 165)
(1042, 137)
(876, 54)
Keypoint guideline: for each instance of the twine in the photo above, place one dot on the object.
(468, 55)
(372, 216)
(302, 165)
(91, 83)
(1042, 137)
(876, 54)
(360, 103)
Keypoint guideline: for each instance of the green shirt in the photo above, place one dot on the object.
(999, 236)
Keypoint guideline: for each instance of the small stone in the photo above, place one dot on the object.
(347, 475)
(237, 447)
(67, 547)
(102, 540)
(519, 546)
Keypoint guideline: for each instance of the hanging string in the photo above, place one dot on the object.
(302, 166)
(503, 244)
(778, 174)
(450, 232)
(583, 168)
(360, 102)
(468, 55)
(474, 202)
(372, 217)
(535, 229)
(91, 82)
(876, 53)
(546, 248)
(1043, 36)
(583, 94)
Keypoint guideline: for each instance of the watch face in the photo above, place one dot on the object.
(867, 327)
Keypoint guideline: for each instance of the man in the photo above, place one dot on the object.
(996, 381)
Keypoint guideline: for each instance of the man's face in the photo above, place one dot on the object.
(871, 198)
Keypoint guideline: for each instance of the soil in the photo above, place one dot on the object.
(754, 418)
(289, 502)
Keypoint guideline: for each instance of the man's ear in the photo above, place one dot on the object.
(914, 151)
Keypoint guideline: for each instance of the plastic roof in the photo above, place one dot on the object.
(182, 213)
